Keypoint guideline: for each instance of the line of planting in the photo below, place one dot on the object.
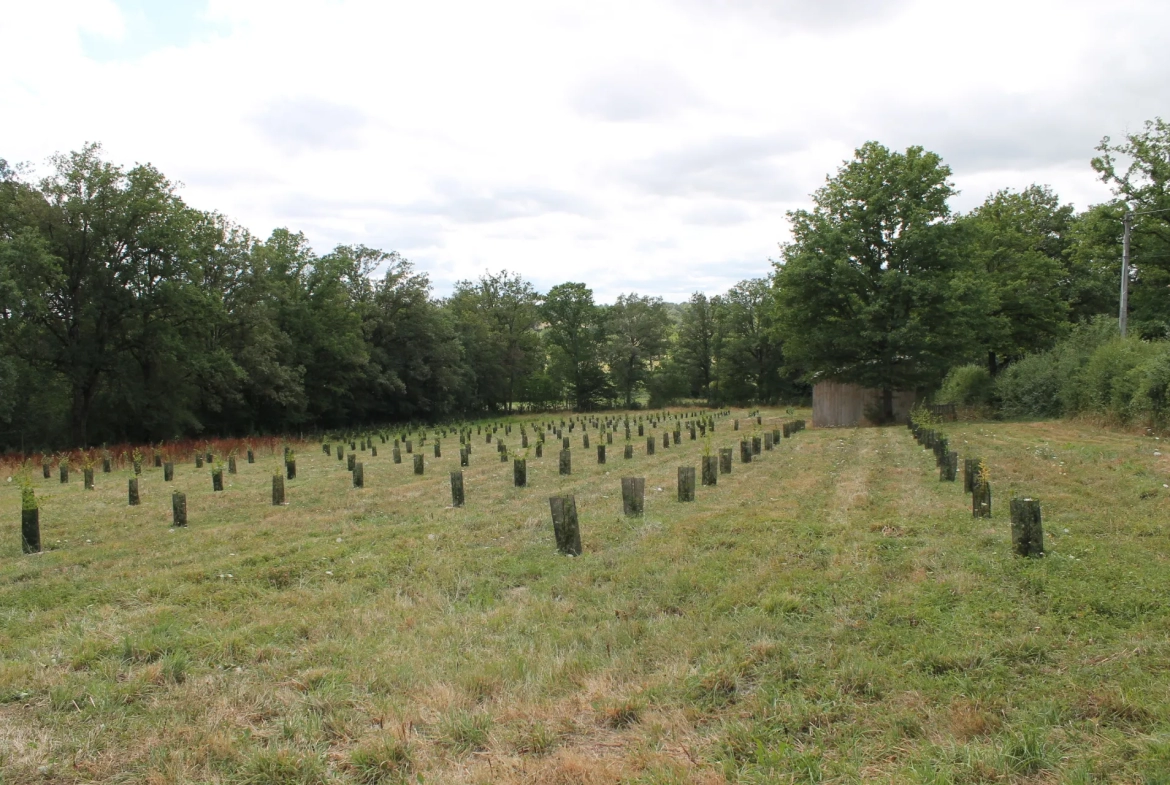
(564, 510)
(1027, 528)
(566, 526)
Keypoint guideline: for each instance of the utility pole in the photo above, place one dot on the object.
(1123, 312)
(1127, 230)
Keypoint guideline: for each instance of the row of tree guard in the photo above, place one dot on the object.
(566, 525)
(563, 508)
(30, 513)
(1027, 528)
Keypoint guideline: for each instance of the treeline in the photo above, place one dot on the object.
(885, 287)
(127, 315)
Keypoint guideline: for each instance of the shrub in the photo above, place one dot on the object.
(28, 496)
(1030, 387)
(1152, 395)
(1093, 370)
(1113, 375)
(967, 385)
(1073, 354)
(1052, 383)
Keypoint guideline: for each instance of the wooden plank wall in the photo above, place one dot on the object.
(839, 405)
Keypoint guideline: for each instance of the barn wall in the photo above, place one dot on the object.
(838, 405)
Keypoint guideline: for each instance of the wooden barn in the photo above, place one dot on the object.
(840, 405)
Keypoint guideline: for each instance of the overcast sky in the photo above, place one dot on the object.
(650, 146)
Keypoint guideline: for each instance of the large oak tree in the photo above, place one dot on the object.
(874, 288)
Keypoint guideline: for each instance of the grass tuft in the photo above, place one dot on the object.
(381, 760)
(283, 766)
(464, 732)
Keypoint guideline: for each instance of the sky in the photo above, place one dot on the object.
(648, 146)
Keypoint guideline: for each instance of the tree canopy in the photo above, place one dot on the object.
(875, 288)
(127, 314)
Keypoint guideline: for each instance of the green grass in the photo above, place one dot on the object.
(829, 613)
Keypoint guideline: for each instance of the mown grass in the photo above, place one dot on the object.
(830, 613)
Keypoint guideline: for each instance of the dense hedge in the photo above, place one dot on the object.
(1092, 371)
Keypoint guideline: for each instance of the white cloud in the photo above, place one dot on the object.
(642, 144)
(300, 125)
(636, 91)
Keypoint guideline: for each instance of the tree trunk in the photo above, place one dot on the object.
(79, 411)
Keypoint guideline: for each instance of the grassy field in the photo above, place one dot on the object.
(829, 613)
